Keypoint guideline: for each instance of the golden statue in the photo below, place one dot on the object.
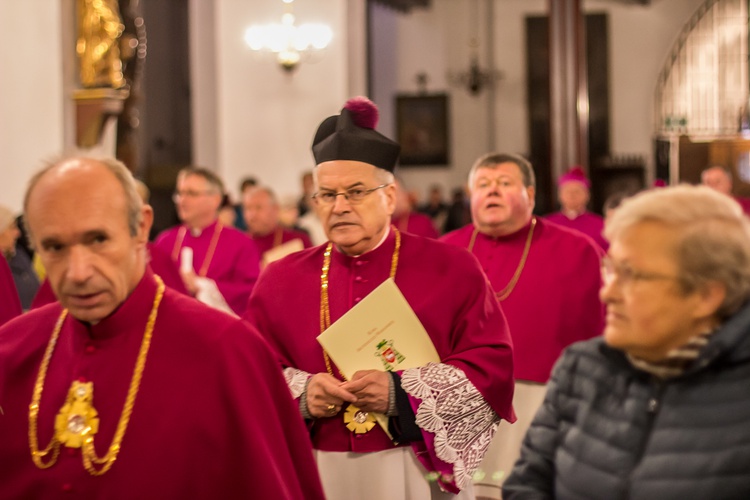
(99, 30)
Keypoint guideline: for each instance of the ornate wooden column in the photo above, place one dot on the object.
(568, 86)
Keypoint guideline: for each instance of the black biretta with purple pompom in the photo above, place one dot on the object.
(351, 135)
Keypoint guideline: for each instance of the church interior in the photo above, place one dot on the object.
(510, 130)
(634, 91)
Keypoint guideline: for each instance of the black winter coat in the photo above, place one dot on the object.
(608, 431)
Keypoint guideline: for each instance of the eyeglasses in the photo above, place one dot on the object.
(353, 196)
(188, 194)
(626, 275)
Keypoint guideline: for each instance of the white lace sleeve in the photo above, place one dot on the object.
(456, 413)
(296, 380)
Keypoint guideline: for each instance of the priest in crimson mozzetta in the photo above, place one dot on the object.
(260, 209)
(547, 279)
(225, 262)
(442, 415)
(573, 192)
(127, 389)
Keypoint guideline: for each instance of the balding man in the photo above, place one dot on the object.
(406, 219)
(719, 179)
(224, 263)
(547, 279)
(125, 388)
(261, 213)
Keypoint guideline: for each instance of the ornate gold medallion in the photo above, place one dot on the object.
(358, 421)
(77, 420)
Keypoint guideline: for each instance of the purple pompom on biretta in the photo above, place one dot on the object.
(364, 112)
(574, 174)
(351, 136)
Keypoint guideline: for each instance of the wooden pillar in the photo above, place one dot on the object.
(568, 86)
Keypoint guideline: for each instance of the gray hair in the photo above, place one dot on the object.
(264, 189)
(214, 181)
(118, 169)
(492, 160)
(381, 175)
(721, 168)
(714, 237)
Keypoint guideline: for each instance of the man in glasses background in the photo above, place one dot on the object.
(442, 415)
(218, 264)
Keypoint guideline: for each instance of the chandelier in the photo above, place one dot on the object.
(288, 42)
(475, 78)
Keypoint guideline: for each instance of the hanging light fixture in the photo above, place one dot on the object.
(474, 79)
(290, 43)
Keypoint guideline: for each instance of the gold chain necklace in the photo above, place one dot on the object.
(77, 429)
(356, 420)
(278, 237)
(505, 292)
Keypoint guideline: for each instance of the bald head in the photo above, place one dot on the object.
(90, 229)
(261, 210)
(717, 178)
(80, 169)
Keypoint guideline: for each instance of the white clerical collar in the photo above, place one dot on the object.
(195, 232)
(571, 214)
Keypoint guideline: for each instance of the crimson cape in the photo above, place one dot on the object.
(444, 286)
(235, 263)
(587, 223)
(269, 241)
(213, 417)
(556, 299)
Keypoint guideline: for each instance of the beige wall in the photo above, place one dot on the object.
(267, 118)
(31, 92)
(640, 39)
(253, 119)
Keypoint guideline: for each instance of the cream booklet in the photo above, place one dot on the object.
(380, 333)
(282, 251)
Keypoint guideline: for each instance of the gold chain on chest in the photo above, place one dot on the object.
(356, 420)
(80, 422)
(505, 292)
(325, 309)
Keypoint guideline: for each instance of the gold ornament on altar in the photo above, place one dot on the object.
(358, 421)
(98, 46)
(77, 419)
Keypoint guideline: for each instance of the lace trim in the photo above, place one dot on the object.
(456, 413)
(296, 380)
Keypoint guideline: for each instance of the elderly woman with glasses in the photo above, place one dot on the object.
(659, 406)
